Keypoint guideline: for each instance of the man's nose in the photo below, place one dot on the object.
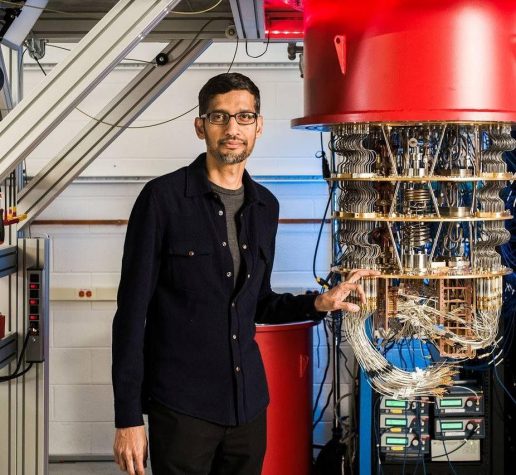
(232, 125)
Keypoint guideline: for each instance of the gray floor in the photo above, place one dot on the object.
(87, 468)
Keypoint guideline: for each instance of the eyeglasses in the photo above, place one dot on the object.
(222, 118)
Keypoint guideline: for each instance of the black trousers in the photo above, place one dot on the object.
(184, 445)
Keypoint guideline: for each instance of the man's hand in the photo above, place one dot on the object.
(130, 449)
(334, 298)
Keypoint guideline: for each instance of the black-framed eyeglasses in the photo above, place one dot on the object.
(222, 118)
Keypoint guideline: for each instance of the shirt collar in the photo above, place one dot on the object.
(197, 182)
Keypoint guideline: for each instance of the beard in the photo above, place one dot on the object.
(231, 158)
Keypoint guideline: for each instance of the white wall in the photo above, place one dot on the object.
(81, 403)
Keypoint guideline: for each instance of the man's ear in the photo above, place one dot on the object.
(199, 127)
(259, 125)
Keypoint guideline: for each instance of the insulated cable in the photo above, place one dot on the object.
(164, 121)
(15, 375)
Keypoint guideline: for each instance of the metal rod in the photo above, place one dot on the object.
(394, 198)
(436, 156)
(472, 256)
(434, 199)
(398, 259)
(434, 244)
(391, 156)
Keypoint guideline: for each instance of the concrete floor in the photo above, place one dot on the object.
(87, 468)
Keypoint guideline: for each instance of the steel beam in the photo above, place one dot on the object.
(249, 18)
(6, 102)
(64, 30)
(124, 26)
(106, 127)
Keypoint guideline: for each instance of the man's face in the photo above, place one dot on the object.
(231, 143)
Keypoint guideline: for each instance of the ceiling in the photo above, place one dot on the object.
(70, 20)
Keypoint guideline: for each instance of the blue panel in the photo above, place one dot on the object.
(365, 443)
(365, 420)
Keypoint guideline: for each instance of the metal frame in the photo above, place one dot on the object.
(6, 103)
(124, 26)
(96, 136)
(249, 18)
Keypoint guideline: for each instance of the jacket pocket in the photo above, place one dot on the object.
(191, 264)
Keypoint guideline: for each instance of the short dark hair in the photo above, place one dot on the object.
(227, 82)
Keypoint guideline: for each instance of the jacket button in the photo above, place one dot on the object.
(224, 243)
(244, 246)
(248, 276)
(228, 274)
(221, 212)
(237, 369)
(234, 337)
(191, 253)
(233, 304)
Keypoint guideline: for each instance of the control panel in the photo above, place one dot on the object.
(460, 401)
(37, 314)
(459, 428)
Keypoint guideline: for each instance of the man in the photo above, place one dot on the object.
(195, 278)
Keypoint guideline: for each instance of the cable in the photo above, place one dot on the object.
(452, 451)
(323, 282)
(15, 374)
(326, 173)
(44, 9)
(125, 59)
(330, 394)
(198, 12)
(156, 123)
(511, 397)
(319, 393)
(261, 54)
(446, 453)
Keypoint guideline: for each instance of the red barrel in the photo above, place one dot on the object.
(406, 60)
(287, 355)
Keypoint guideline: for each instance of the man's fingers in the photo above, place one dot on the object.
(349, 307)
(360, 291)
(140, 469)
(140, 462)
(347, 288)
(356, 274)
(129, 463)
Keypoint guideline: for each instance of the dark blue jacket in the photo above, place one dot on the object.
(182, 334)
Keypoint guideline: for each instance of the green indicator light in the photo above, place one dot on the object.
(396, 422)
(452, 426)
(397, 441)
(395, 403)
(451, 402)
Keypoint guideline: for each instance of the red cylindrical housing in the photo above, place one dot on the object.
(402, 60)
(287, 355)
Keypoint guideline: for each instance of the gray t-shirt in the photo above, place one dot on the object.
(232, 201)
